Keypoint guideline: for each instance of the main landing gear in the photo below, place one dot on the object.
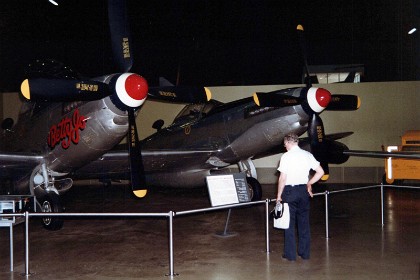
(254, 186)
(255, 189)
(50, 203)
(43, 185)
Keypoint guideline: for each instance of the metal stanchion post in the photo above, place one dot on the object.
(27, 243)
(171, 244)
(382, 204)
(225, 232)
(11, 246)
(326, 216)
(267, 228)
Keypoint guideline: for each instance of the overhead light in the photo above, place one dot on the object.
(53, 2)
(412, 31)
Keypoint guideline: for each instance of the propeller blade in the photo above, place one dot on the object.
(58, 90)
(182, 94)
(278, 98)
(138, 180)
(130, 89)
(343, 102)
(326, 175)
(317, 142)
(120, 35)
(302, 42)
(314, 100)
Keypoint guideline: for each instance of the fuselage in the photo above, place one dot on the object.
(66, 135)
(208, 137)
(234, 132)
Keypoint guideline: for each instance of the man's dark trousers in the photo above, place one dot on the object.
(299, 206)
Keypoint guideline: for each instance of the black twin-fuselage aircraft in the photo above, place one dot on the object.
(68, 122)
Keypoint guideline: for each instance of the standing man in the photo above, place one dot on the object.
(295, 188)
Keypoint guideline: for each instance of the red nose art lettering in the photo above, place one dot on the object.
(67, 131)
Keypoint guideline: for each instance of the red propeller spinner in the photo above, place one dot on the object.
(318, 99)
(131, 89)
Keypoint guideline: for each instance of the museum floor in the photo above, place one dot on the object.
(358, 247)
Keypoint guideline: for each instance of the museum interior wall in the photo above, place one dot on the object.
(387, 110)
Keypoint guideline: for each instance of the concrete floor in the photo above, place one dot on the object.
(358, 247)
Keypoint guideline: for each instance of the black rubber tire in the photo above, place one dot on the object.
(51, 203)
(254, 188)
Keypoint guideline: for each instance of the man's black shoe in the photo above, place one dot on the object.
(286, 258)
(303, 258)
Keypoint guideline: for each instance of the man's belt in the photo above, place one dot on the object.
(294, 186)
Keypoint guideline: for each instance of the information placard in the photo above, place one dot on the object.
(227, 189)
(241, 187)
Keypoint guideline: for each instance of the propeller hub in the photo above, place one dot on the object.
(131, 89)
(318, 99)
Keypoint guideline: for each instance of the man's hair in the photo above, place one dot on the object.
(291, 137)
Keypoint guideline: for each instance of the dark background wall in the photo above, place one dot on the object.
(214, 42)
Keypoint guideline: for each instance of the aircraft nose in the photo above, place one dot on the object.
(318, 99)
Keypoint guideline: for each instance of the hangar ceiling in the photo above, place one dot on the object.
(214, 42)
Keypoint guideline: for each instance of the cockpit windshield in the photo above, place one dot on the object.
(196, 111)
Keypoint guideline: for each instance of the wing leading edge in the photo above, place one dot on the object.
(114, 164)
(380, 154)
(16, 165)
(19, 159)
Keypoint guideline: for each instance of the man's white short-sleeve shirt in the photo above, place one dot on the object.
(296, 164)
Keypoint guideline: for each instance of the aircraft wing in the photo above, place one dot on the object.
(114, 164)
(19, 159)
(303, 143)
(17, 162)
(382, 154)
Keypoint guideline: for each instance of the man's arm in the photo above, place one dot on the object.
(281, 185)
(319, 172)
